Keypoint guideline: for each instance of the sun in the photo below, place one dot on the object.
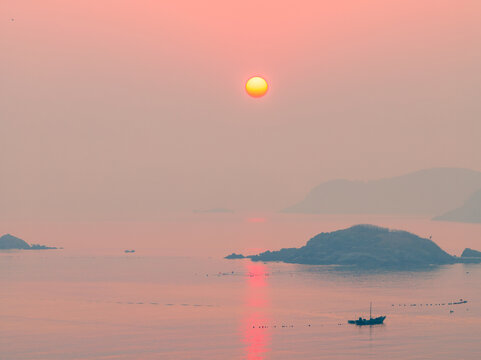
(256, 86)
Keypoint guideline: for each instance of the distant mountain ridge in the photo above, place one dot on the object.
(425, 192)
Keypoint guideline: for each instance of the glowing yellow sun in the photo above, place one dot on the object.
(256, 86)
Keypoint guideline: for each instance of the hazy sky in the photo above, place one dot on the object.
(127, 109)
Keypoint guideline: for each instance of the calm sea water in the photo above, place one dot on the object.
(176, 298)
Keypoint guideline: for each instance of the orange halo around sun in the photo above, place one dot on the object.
(256, 86)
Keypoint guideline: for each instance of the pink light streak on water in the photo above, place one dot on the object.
(256, 334)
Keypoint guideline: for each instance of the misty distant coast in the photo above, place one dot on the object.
(469, 212)
(438, 192)
(214, 211)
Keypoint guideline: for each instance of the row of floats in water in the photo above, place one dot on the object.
(275, 326)
(460, 301)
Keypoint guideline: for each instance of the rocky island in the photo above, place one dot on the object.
(10, 242)
(364, 246)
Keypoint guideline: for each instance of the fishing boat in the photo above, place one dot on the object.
(371, 321)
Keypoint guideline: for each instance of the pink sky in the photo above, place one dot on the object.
(124, 109)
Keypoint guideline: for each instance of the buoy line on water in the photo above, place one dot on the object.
(459, 302)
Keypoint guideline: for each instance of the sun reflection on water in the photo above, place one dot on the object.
(256, 321)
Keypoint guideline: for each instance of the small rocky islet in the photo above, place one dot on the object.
(10, 242)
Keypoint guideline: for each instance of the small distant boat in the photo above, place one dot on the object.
(129, 251)
(371, 321)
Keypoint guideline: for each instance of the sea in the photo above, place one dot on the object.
(176, 297)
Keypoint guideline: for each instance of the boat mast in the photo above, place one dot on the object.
(370, 310)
